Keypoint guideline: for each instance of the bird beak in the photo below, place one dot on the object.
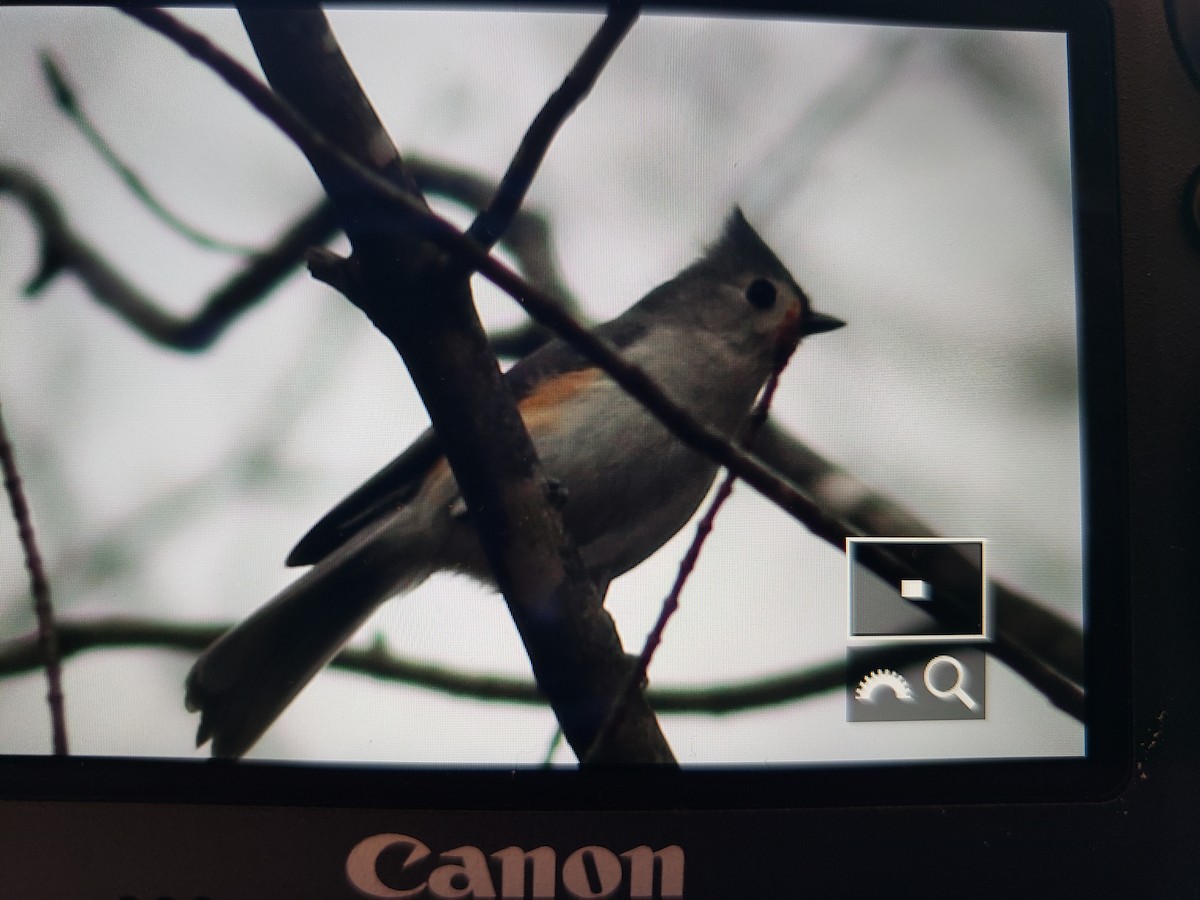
(815, 323)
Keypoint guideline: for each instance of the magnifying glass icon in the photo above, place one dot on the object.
(955, 691)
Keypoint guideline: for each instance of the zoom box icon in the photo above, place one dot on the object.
(916, 682)
(941, 592)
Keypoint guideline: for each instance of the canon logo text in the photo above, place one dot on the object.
(590, 872)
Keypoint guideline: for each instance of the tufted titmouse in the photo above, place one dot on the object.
(708, 337)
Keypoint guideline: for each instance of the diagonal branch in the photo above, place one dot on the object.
(1019, 619)
(312, 143)
(64, 250)
(571, 641)
(48, 653)
(494, 221)
(528, 237)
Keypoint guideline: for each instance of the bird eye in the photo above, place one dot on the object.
(761, 293)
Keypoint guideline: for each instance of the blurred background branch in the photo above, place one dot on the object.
(21, 655)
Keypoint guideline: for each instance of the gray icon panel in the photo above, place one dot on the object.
(912, 608)
(916, 682)
(917, 645)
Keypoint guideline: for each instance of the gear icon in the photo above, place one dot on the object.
(885, 678)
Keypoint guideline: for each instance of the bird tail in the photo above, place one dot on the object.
(242, 683)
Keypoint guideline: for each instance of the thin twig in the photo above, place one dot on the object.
(528, 237)
(65, 97)
(43, 609)
(494, 221)
(670, 605)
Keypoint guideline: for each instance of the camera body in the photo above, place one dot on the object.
(726, 833)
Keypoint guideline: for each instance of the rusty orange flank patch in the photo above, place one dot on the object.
(549, 398)
(537, 410)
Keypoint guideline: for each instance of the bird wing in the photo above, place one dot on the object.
(390, 487)
(400, 480)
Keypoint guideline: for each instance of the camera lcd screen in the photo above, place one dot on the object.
(924, 181)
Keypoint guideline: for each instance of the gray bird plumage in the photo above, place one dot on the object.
(707, 336)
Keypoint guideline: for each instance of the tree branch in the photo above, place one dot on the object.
(572, 643)
(528, 238)
(21, 655)
(48, 653)
(494, 221)
(1019, 619)
(63, 250)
